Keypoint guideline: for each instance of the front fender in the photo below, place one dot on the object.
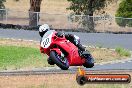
(57, 50)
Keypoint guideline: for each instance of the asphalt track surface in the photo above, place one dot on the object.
(102, 39)
(55, 71)
(99, 39)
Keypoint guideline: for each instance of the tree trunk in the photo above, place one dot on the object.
(89, 19)
(34, 12)
(90, 23)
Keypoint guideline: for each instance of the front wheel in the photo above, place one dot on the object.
(61, 62)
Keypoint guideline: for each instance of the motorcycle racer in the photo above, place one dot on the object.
(72, 38)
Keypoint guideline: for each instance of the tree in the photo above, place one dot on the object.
(34, 12)
(125, 11)
(88, 7)
(2, 12)
(1, 4)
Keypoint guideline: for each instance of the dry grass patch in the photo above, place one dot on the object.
(104, 55)
(52, 81)
(47, 6)
(23, 43)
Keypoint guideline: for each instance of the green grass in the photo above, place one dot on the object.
(16, 57)
(20, 54)
(123, 52)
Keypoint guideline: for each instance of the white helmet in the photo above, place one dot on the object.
(43, 29)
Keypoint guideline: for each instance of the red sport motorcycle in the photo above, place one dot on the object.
(63, 53)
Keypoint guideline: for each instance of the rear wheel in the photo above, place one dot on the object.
(61, 62)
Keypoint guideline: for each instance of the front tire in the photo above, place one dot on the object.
(63, 64)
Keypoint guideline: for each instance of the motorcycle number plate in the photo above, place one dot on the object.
(46, 41)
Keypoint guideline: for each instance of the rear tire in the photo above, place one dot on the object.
(57, 60)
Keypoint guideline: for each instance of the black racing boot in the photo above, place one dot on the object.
(82, 51)
(82, 48)
(86, 54)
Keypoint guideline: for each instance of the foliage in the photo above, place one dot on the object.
(125, 11)
(123, 52)
(16, 0)
(2, 6)
(87, 7)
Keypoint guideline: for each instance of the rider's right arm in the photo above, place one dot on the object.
(40, 40)
(41, 48)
